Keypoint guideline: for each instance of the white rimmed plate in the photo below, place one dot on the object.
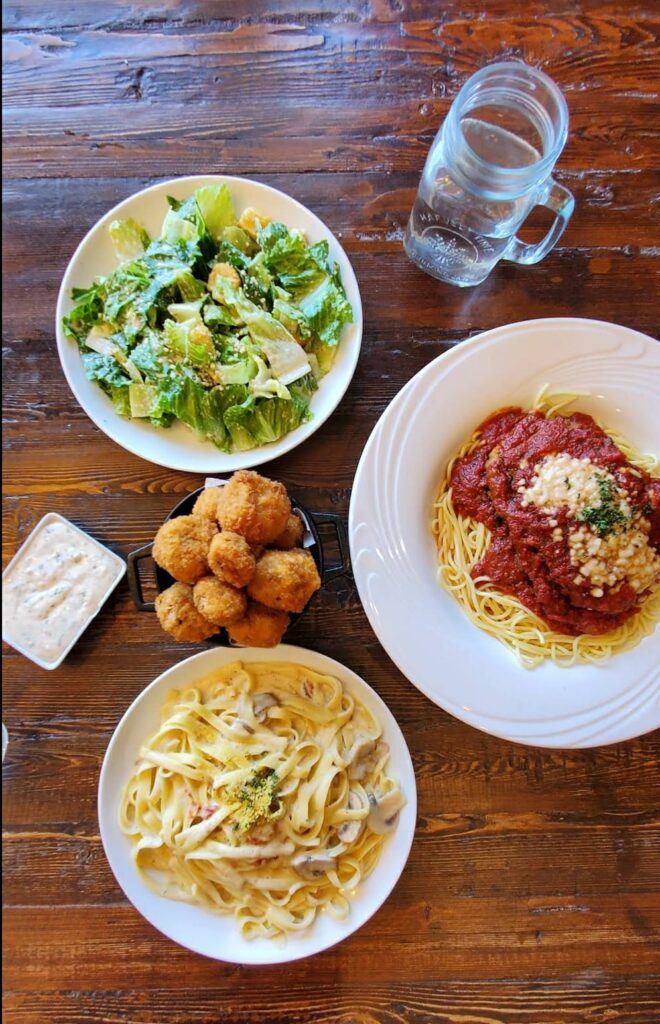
(178, 447)
(393, 553)
(201, 930)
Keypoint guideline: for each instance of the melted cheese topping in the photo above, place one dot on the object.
(561, 481)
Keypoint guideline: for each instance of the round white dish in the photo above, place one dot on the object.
(421, 627)
(178, 447)
(215, 935)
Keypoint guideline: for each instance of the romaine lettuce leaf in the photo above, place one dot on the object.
(203, 410)
(323, 355)
(326, 309)
(120, 400)
(217, 209)
(220, 316)
(138, 292)
(100, 341)
(123, 287)
(264, 384)
(315, 285)
(190, 342)
(87, 311)
(228, 253)
(104, 369)
(286, 358)
(240, 372)
(240, 239)
(143, 400)
(293, 319)
(260, 421)
(289, 258)
(181, 311)
(304, 388)
(149, 354)
(183, 221)
(129, 238)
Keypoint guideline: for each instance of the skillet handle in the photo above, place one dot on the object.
(134, 581)
(332, 572)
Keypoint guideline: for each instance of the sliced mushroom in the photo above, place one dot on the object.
(349, 830)
(313, 865)
(358, 757)
(384, 811)
(260, 704)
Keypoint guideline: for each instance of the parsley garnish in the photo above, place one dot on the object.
(606, 517)
(258, 799)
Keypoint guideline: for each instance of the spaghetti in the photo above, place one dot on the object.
(463, 542)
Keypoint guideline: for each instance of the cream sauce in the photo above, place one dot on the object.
(54, 589)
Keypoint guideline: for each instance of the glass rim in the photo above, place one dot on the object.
(547, 160)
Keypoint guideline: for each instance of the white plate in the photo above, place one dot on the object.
(178, 447)
(216, 935)
(393, 554)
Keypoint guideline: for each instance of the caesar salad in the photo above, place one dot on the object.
(225, 323)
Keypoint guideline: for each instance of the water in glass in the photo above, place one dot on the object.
(488, 166)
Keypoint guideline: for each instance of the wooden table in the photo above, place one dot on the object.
(531, 892)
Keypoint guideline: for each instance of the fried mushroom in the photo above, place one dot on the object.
(179, 617)
(261, 627)
(219, 602)
(292, 534)
(253, 506)
(285, 580)
(231, 558)
(181, 547)
(206, 505)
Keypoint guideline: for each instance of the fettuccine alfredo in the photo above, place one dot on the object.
(264, 794)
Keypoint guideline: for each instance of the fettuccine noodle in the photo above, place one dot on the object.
(264, 794)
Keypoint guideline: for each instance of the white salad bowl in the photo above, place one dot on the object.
(177, 447)
(217, 935)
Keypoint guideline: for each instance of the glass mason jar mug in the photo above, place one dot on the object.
(489, 165)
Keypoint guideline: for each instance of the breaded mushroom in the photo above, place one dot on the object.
(218, 602)
(181, 547)
(206, 505)
(285, 580)
(178, 616)
(261, 627)
(292, 534)
(231, 558)
(253, 506)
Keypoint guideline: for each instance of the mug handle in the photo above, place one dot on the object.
(134, 581)
(344, 565)
(561, 201)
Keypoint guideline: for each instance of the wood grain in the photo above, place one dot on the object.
(532, 892)
(589, 997)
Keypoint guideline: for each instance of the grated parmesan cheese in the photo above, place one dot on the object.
(561, 481)
(608, 545)
(624, 557)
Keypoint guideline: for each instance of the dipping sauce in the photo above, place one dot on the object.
(53, 589)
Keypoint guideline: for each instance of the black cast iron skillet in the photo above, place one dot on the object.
(313, 521)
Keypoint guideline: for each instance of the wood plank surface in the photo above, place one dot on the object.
(532, 892)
